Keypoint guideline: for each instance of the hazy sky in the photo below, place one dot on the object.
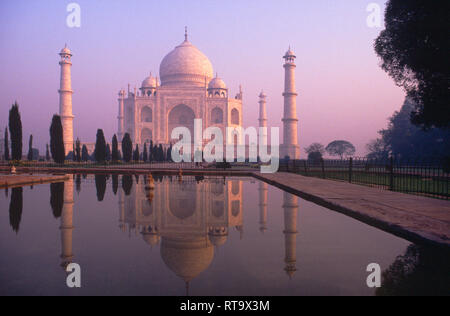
(343, 93)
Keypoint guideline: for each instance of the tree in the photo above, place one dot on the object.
(30, 148)
(151, 152)
(78, 150)
(84, 154)
(108, 153)
(145, 154)
(377, 149)
(315, 152)
(340, 148)
(47, 153)
(56, 140)
(115, 149)
(127, 147)
(136, 153)
(6, 144)
(403, 140)
(100, 147)
(169, 153)
(414, 52)
(15, 131)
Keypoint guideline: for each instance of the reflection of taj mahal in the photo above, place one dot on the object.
(187, 219)
(187, 91)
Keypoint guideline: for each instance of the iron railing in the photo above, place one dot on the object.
(414, 177)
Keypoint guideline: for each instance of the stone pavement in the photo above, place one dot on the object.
(416, 218)
(8, 181)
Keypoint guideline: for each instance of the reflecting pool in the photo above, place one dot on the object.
(197, 236)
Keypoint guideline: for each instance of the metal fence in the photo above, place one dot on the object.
(413, 177)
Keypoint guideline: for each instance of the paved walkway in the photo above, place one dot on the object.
(416, 218)
(26, 179)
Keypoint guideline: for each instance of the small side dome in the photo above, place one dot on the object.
(262, 95)
(65, 51)
(149, 82)
(217, 83)
(151, 238)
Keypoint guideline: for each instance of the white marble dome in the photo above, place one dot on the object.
(185, 65)
(149, 82)
(217, 83)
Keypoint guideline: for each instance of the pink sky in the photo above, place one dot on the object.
(343, 93)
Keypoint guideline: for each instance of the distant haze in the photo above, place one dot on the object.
(343, 93)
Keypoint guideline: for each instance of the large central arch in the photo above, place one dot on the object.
(181, 116)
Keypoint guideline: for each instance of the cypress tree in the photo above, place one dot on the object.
(15, 131)
(145, 154)
(6, 144)
(136, 153)
(108, 153)
(47, 153)
(127, 147)
(151, 156)
(30, 149)
(78, 150)
(100, 147)
(84, 154)
(56, 140)
(115, 149)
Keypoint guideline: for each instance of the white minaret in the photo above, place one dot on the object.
(290, 145)
(120, 117)
(263, 117)
(65, 99)
(290, 206)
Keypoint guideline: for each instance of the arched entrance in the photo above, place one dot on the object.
(146, 136)
(179, 116)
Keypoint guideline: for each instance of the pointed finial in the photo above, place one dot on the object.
(185, 34)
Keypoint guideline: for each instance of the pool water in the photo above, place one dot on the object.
(197, 236)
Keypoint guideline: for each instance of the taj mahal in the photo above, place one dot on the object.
(186, 89)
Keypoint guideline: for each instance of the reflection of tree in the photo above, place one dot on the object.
(115, 183)
(137, 179)
(420, 271)
(15, 208)
(57, 198)
(78, 183)
(100, 184)
(127, 184)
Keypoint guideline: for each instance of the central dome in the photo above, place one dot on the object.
(185, 65)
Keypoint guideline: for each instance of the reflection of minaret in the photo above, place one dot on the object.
(290, 206)
(121, 211)
(263, 188)
(66, 224)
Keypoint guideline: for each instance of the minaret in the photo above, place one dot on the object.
(290, 145)
(65, 99)
(263, 188)
(263, 117)
(120, 117)
(290, 206)
(67, 224)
